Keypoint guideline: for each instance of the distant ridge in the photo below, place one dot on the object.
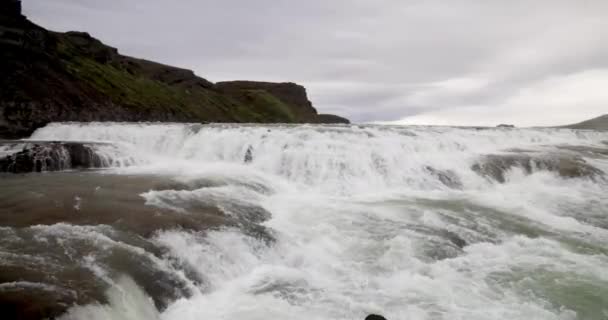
(599, 123)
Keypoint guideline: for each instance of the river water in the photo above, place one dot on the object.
(316, 222)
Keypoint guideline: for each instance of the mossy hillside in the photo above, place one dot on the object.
(269, 107)
(130, 90)
(140, 93)
(145, 86)
(143, 93)
(72, 76)
(201, 104)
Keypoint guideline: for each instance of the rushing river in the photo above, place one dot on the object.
(314, 222)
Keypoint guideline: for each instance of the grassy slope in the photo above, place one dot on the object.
(141, 93)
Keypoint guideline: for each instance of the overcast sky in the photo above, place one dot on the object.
(457, 62)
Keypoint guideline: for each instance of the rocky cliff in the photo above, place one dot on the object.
(49, 76)
(291, 94)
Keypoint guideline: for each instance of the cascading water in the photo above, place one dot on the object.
(336, 222)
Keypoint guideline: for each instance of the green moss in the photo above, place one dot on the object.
(270, 108)
(144, 94)
(126, 88)
(141, 93)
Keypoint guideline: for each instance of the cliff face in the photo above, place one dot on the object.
(49, 76)
(288, 93)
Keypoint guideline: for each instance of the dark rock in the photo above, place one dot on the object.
(293, 95)
(33, 303)
(42, 274)
(587, 151)
(455, 239)
(10, 8)
(496, 166)
(375, 317)
(249, 155)
(505, 126)
(330, 118)
(288, 92)
(447, 177)
(575, 167)
(49, 156)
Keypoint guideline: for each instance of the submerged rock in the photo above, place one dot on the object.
(587, 151)
(248, 155)
(48, 156)
(567, 166)
(447, 177)
(23, 300)
(65, 235)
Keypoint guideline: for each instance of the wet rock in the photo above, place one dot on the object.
(587, 150)
(454, 238)
(248, 155)
(48, 156)
(50, 268)
(32, 303)
(576, 168)
(375, 317)
(447, 177)
(48, 245)
(436, 244)
(496, 166)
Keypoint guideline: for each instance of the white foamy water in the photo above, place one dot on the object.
(368, 219)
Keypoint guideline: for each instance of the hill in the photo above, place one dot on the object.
(49, 76)
(599, 123)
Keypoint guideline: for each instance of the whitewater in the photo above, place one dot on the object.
(340, 221)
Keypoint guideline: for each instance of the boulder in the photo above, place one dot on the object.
(49, 156)
(248, 155)
(496, 166)
(448, 177)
